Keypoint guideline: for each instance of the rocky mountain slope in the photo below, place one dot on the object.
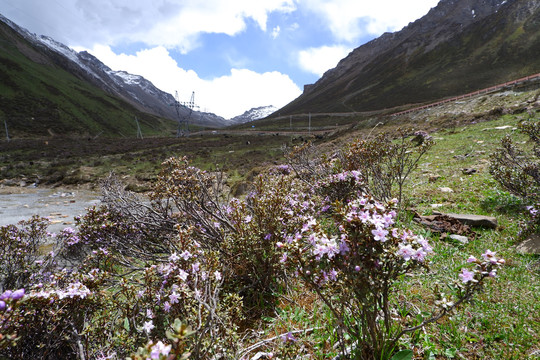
(253, 114)
(27, 58)
(459, 46)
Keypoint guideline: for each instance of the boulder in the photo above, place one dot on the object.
(445, 225)
(530, 246)
(468, 171)
(489, 222)
(446, 190)
(460, 238)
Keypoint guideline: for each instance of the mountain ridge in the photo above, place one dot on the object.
(252, 114)
(449, 51)
(135, 90)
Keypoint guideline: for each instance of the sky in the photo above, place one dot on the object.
(234, 54)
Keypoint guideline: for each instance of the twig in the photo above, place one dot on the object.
(265, 341)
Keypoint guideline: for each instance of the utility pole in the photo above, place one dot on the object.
(7, 133)
(139, 132)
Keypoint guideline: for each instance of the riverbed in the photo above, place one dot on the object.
(59, 205)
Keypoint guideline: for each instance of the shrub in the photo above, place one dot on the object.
(20, 256)
(353, 263)
(385, 162)
(273, 210)
(104, 309)
(518, 170)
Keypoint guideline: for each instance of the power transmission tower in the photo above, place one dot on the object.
(183, 121)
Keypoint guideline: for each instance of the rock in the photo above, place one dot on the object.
(445, 225)
(262, 355)
(475, 220)
(434, 206)
(434, 178)
(530, 246)
(460, 157)
(446, 190)
(9, 182)
(462, 239)
(468, 171)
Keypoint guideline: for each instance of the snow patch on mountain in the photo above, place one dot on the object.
(128, 78)
(254, 114)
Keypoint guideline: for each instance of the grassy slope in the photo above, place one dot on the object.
(39, 99)
(504, 321)
(501, 323)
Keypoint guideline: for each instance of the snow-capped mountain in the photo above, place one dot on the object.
(134, 89)
(254, 114)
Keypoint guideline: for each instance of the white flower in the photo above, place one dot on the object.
(148, 326)
(186, 255)
(182, 275)
(217, 275)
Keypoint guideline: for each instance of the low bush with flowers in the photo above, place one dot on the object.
(517, 169)
(353, 260)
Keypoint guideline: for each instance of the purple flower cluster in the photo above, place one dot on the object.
(73, 290)
(159, 349)
(9, 295)
(533, 211)
(483, 268)
(363, 238)
(70, 236)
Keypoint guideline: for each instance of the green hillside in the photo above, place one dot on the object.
(502, 47)
(39, 98)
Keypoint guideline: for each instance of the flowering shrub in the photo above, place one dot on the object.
(19, 252)
(241, 233)
(48, 318)
(103, 310)
(273, 210)
(385, 163)
(353, 263)
(518, 171)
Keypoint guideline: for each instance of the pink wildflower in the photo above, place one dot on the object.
(406, 252)
(380, 234)
(217, 275)
(466, 275)
(490, 256)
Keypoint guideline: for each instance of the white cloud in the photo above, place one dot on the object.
(294, 26)
(318, 60)
(169, 23)
(227, 95)
(348, 20)
(244, 89)
(275, 32)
